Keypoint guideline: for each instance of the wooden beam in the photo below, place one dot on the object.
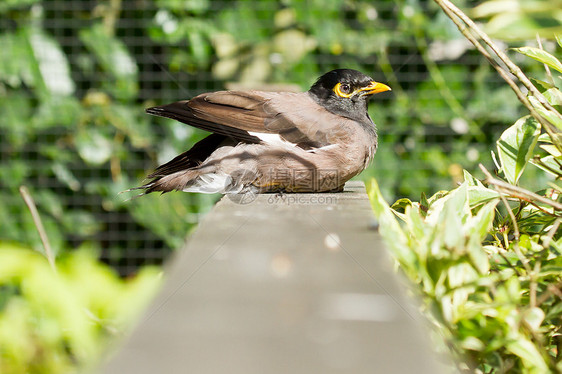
(298, 283)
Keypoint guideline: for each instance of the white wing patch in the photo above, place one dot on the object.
(273, 139)
(215, 183)
(209, 183)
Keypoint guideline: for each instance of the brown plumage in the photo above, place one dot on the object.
(311, 141)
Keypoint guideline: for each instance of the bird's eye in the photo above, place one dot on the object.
(343, 90)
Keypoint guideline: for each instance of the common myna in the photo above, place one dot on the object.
(310, 141)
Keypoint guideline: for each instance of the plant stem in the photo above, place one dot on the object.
(38, 225)
(467, 27)
(546, 68)
(520, 192)
(548, 238)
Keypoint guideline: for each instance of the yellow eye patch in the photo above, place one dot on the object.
(341, 93)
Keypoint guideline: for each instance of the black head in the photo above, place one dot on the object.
(346, 92)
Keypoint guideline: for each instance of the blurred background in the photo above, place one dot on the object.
(75, 77)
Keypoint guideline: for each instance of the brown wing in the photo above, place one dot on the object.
(247, 115)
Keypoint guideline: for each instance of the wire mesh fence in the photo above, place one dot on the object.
(76, 75)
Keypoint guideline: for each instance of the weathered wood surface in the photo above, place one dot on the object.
(290, 284)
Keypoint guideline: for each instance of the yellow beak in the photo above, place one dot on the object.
(375, 87)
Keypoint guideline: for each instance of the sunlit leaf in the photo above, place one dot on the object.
(516, 146)
(195, 6)
(15, 60)
(66, 176)
(127, 120)
(553, 96)
(80, 223)
(479, 195)
(6, 5)
(65, 313)
(57, 111)
(541, 56)
(472, 343)
(534, 317)
(542, 85)
(401, 204)
(480, 224)
(114, 58)
(390, 228)
(521, 346)
(555, 311)
(51, 63)
(549, 115)
(551, 149)
(472, 181)
(94, 147)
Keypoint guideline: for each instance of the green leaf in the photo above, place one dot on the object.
(66, 176)
(7, 5)
(80, 223)
(515, 147)
(551, 149)
(57, 111)
(553, 96)
(194, 6)
(549, 115)
(548, 164)
(555, 311)
(447, 215)
(548, 271)
(14, 121)
(390, 228)
(541, 85)
(13, 173)
(50, 202)
(93, 146)
(401, 204)
(126, 119)
(534, 317)
(114, 58)
(541, 56)
(51, 63)
(472, 181)
(529, 354)
(472, 343)
(15, 60)
(480, 224)
(424, 205)
(479, 195)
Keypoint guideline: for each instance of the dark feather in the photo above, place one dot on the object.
(180, 111)
(192, 158)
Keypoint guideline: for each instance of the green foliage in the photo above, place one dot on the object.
(516, 146)
(487, 256)
(520, 20)
(494, 301)
(61, 321)
(114, 59)
(541, 56)
(77, 134)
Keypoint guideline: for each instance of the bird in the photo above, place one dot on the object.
(284, 142)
